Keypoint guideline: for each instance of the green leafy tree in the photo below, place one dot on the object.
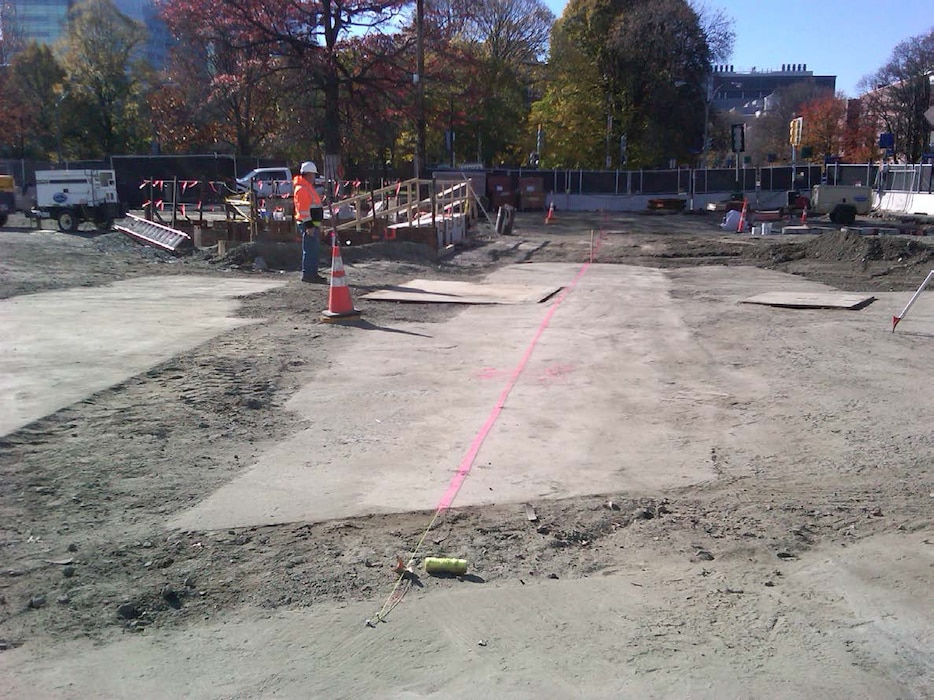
(512, 37)
(657, 61)
(456, 100)
(484, 60)
(105, 81)
(571, 113)
(33, 101)
(648, 65)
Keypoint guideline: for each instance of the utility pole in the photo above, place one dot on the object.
(419, 87)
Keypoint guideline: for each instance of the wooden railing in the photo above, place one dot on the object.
(408, 201)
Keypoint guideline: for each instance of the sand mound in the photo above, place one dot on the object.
(245, 254)
(851, 246)
(405, 251)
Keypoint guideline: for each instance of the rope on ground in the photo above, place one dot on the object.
(404, 577)
(404, 580)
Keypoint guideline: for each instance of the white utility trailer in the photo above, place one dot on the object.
(72, 197)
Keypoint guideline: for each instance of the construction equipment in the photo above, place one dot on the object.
(7, 200)
(841, 203)
(72, 197)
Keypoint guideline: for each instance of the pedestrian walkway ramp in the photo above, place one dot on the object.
(152, 233)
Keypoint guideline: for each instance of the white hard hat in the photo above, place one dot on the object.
(309, 167)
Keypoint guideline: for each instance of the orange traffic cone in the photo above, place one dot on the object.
(741, 226)
(340, 305)
(804, 215)
(551, 213)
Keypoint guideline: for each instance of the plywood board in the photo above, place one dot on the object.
(452, 291)
(812, 300)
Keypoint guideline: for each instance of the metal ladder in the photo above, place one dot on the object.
(151, 233)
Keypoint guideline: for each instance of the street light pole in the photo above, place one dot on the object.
(709, 92)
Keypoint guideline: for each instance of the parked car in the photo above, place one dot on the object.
(267, 182)
(273, 182)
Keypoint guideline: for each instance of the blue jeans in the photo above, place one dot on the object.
(310, 251)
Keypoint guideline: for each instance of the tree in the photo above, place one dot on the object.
(859, 135)
(330, 47)
(104, 80)
(512, 36)
(227, 92)
(771, 128)
(511, 32)
(900, 92)
(35, 99)
(824, 122)
(718, 29)
(180, 116)
(572, 112)
(661, 61)
(10, 114)
(650, 62)
(485, 60)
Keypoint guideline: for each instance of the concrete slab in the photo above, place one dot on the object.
(457, 292)
(617, 394)
(787, 230)
(812, 300)
(126, 327)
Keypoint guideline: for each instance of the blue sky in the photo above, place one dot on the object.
(848, 39)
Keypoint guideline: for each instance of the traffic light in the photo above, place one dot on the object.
(738, 132)
(795, 131)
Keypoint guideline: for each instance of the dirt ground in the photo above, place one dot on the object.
(86, 492)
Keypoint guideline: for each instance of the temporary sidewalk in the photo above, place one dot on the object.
(61, 347)
(610, 390)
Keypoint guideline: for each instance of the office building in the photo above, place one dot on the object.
(44, 21)
(748, 92)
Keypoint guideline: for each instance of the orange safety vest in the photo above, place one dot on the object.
(307, 201)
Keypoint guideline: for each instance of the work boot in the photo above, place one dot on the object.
(314, 279)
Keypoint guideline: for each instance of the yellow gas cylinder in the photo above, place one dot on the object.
(445, 565)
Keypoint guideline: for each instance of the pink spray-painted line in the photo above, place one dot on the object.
(467, 462)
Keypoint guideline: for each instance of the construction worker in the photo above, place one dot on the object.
(309, 215)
